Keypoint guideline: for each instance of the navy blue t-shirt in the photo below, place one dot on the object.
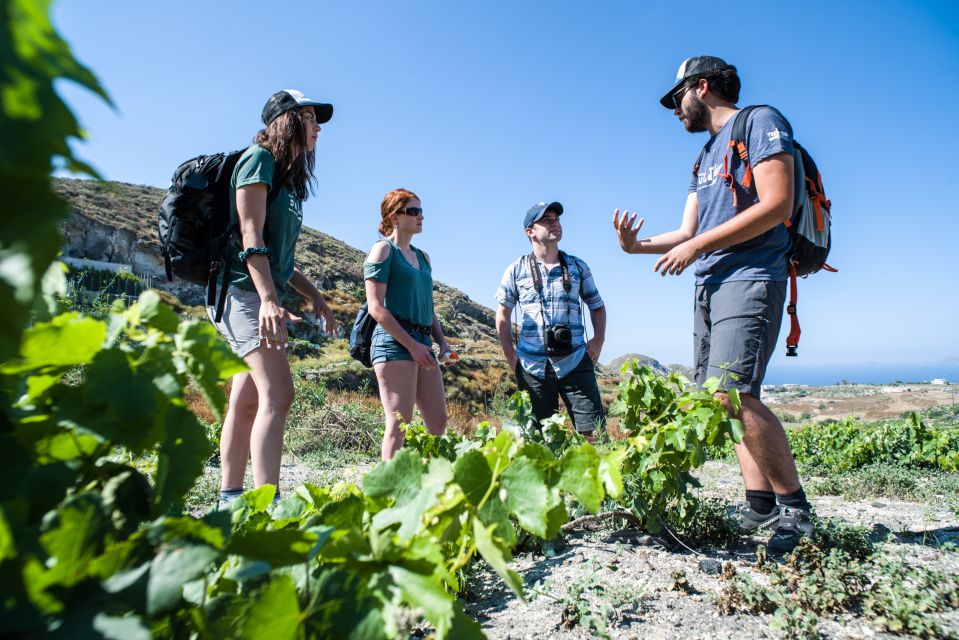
(763, 257)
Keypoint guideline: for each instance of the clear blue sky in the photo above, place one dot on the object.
(484, 108)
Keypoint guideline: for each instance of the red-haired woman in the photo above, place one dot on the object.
(270, 182)
(399, 294)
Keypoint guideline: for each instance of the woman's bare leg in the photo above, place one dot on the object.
(270, 370)
(397, 381)
(431, 399)
(235, 436)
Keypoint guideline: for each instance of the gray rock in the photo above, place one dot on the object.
(710, 566)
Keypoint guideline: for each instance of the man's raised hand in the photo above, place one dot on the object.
(625, 231)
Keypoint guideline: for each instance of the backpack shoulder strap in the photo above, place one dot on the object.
(699, 161)
(740, 120)
(738, 142)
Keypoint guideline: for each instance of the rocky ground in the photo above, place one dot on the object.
(628, 581)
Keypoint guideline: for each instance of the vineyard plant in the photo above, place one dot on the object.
(99, 449)
(93, 541)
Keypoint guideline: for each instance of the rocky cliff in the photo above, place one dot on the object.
(116, 222)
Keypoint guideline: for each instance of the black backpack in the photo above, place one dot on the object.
(194, 223)
(361, 336)
(810, 237)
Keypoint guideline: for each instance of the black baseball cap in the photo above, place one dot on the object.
(538, 210)
(282, 101)
(691, 67)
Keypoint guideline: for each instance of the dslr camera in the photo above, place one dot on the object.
(559, 340)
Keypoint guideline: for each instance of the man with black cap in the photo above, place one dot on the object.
(733, 232)
(552, 358)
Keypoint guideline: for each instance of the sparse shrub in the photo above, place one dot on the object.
(708, 523)
(884, 590)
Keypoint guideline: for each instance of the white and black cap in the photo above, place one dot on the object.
(282, 101)
(691, 67)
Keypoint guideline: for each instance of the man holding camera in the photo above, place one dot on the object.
(552, 358)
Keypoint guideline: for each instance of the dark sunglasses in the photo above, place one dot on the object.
(679, 95)
(411, 211)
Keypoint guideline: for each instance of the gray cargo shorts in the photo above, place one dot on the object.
(240, 324)
(735, 328)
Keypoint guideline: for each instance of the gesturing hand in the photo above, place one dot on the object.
(625, 231)
(322, 309)
(272, 324)
(678, 258)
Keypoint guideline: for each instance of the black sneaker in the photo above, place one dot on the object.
(749, 520)
(794, 523)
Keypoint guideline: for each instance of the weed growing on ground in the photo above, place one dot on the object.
(592, 602)
(708, 524)
(839, 571)
(891, 481)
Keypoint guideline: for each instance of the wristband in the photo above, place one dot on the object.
(254, 251)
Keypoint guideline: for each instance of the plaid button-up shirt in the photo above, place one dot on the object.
(555, 307)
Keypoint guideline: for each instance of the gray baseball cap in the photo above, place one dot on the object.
(695, 66)
(538, 210)
(282, 101)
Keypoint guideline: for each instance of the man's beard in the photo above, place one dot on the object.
(697, 115)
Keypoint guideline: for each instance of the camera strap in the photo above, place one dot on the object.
(567, 287)
(538, 277)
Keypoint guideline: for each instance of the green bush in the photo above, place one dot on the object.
(841, 446)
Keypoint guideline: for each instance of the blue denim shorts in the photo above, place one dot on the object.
(385, 348)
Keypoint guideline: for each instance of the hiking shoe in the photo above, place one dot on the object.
(748, 520)
(794, 523)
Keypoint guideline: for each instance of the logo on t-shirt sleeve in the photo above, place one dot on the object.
(776, 134)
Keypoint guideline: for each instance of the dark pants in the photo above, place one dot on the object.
(579, 391)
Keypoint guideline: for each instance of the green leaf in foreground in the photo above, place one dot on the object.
(180, 462)
(276, 614)
(67, 340)
(496, 556)
(426, 593)
(208, 359)
(579, 475)
(125, 628)
(527, 495)
(473, 475)
(170, 570)
(280, 548)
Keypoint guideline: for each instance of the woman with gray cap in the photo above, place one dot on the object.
(271, 180)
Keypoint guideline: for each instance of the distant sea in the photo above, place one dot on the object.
(794, 372)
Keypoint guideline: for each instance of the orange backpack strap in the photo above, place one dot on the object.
(792, 340)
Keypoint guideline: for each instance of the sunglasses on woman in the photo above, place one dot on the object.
(411, 211)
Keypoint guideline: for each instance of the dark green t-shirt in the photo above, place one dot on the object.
(409, 293)
(284, 217)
